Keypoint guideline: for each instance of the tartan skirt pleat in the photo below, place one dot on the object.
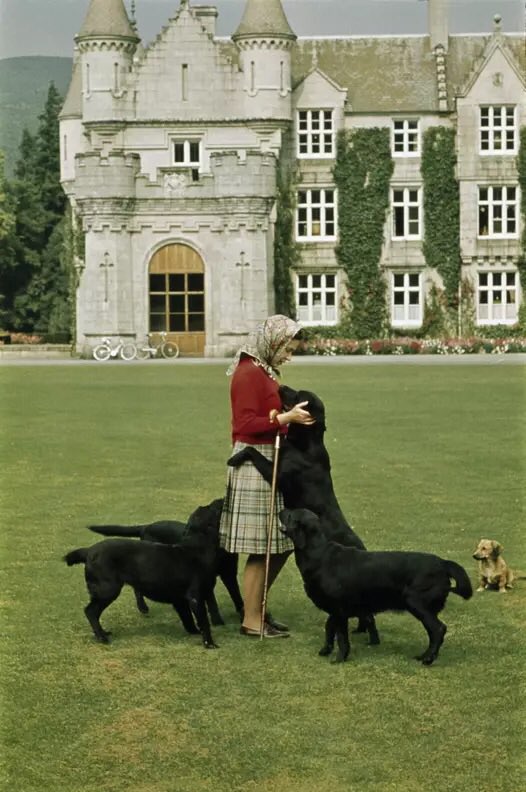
(246, 510)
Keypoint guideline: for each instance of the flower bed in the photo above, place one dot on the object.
(412, 346)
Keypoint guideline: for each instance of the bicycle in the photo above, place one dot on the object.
(126, 350)
(164, 349)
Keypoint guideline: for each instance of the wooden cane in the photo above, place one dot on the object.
(269, 532)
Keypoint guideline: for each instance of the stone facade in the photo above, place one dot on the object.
(170, 156)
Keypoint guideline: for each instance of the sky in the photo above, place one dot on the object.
(47, 27)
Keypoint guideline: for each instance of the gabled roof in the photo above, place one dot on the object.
(107, 19)
(511, 54)
(264, 18)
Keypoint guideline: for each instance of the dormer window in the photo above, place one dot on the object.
(406, 137)
(498, 129)
(315, 134)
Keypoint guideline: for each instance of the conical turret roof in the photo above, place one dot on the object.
(264, 18)
(107, 18)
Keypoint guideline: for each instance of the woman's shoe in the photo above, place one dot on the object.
(268, 632)
(279, 626)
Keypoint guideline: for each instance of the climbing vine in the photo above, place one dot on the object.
(521, 167)
(286, 254)
(442, 209)
(362, 175)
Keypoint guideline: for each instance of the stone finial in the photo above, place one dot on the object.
(497, 23)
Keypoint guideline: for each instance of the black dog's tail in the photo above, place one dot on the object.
(118, 530)
(463, 584)
(78, 556)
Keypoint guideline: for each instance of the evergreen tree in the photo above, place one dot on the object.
(7, 243)
(39, 285)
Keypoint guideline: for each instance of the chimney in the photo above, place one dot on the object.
(207, 16)
(437, 20)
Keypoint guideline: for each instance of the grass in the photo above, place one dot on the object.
(427, 458)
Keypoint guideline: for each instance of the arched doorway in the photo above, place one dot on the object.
(177, 297)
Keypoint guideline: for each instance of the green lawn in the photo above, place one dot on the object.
(428, 458)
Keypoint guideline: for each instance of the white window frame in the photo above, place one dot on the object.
(494, 121)
(507, 206)
(502, 290)
(311, 123)
(405, 131)
(408, 203)
(187, 161)
(315, 214)
(407, 288)
(317, 287)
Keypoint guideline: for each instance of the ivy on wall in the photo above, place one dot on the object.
(286, 253)
(521, 167)
(442, 209)
(362, 175)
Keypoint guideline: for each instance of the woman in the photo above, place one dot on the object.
(256, 418)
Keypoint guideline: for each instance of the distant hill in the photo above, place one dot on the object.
(24, 84)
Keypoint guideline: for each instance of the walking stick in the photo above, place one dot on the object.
(269, 532)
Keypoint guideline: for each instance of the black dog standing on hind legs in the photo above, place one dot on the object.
(345, 581)
(181, 575)
(304, 479)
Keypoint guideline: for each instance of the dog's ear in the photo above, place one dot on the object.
(299, 537)
(497, 549)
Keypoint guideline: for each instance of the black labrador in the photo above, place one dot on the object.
(182, 575)
(346, 581)
(304, 477)
(175, 532)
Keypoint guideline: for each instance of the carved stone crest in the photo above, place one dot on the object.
(498, 79)
(175, 185)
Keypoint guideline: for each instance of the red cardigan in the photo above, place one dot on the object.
(253, 394)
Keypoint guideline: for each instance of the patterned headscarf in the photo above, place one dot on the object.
(267, 342)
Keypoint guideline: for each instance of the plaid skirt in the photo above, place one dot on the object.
(245, 517)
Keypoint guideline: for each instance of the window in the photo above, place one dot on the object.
(316, 215)
(406, 138)
(316, 299)
(406, 205)
(187, 154)
(177, 302)
(406, 301)
(498, 129)
(315, 133)
(497, 298)
(498, 211)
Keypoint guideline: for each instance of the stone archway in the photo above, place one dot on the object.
(176, 296)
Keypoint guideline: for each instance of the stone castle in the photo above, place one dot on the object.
(169, 157)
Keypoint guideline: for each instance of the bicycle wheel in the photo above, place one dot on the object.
(143, 353)
(169, 349)
(128, 351)
(101, 352)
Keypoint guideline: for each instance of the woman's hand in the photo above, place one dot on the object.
(296, 415)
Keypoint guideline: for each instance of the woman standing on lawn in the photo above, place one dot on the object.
(256, 418)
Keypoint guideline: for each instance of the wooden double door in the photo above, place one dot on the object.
(177, 297)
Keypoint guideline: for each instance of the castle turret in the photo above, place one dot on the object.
(264, 39)
(107, 42)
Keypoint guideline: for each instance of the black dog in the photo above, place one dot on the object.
(345, 581)
(182, 575)
(304, 477)
(175, 532)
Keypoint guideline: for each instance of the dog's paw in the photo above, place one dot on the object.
(326, 650)
(481, 588)
(104, 637)
(211, 645)
(502, 591)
